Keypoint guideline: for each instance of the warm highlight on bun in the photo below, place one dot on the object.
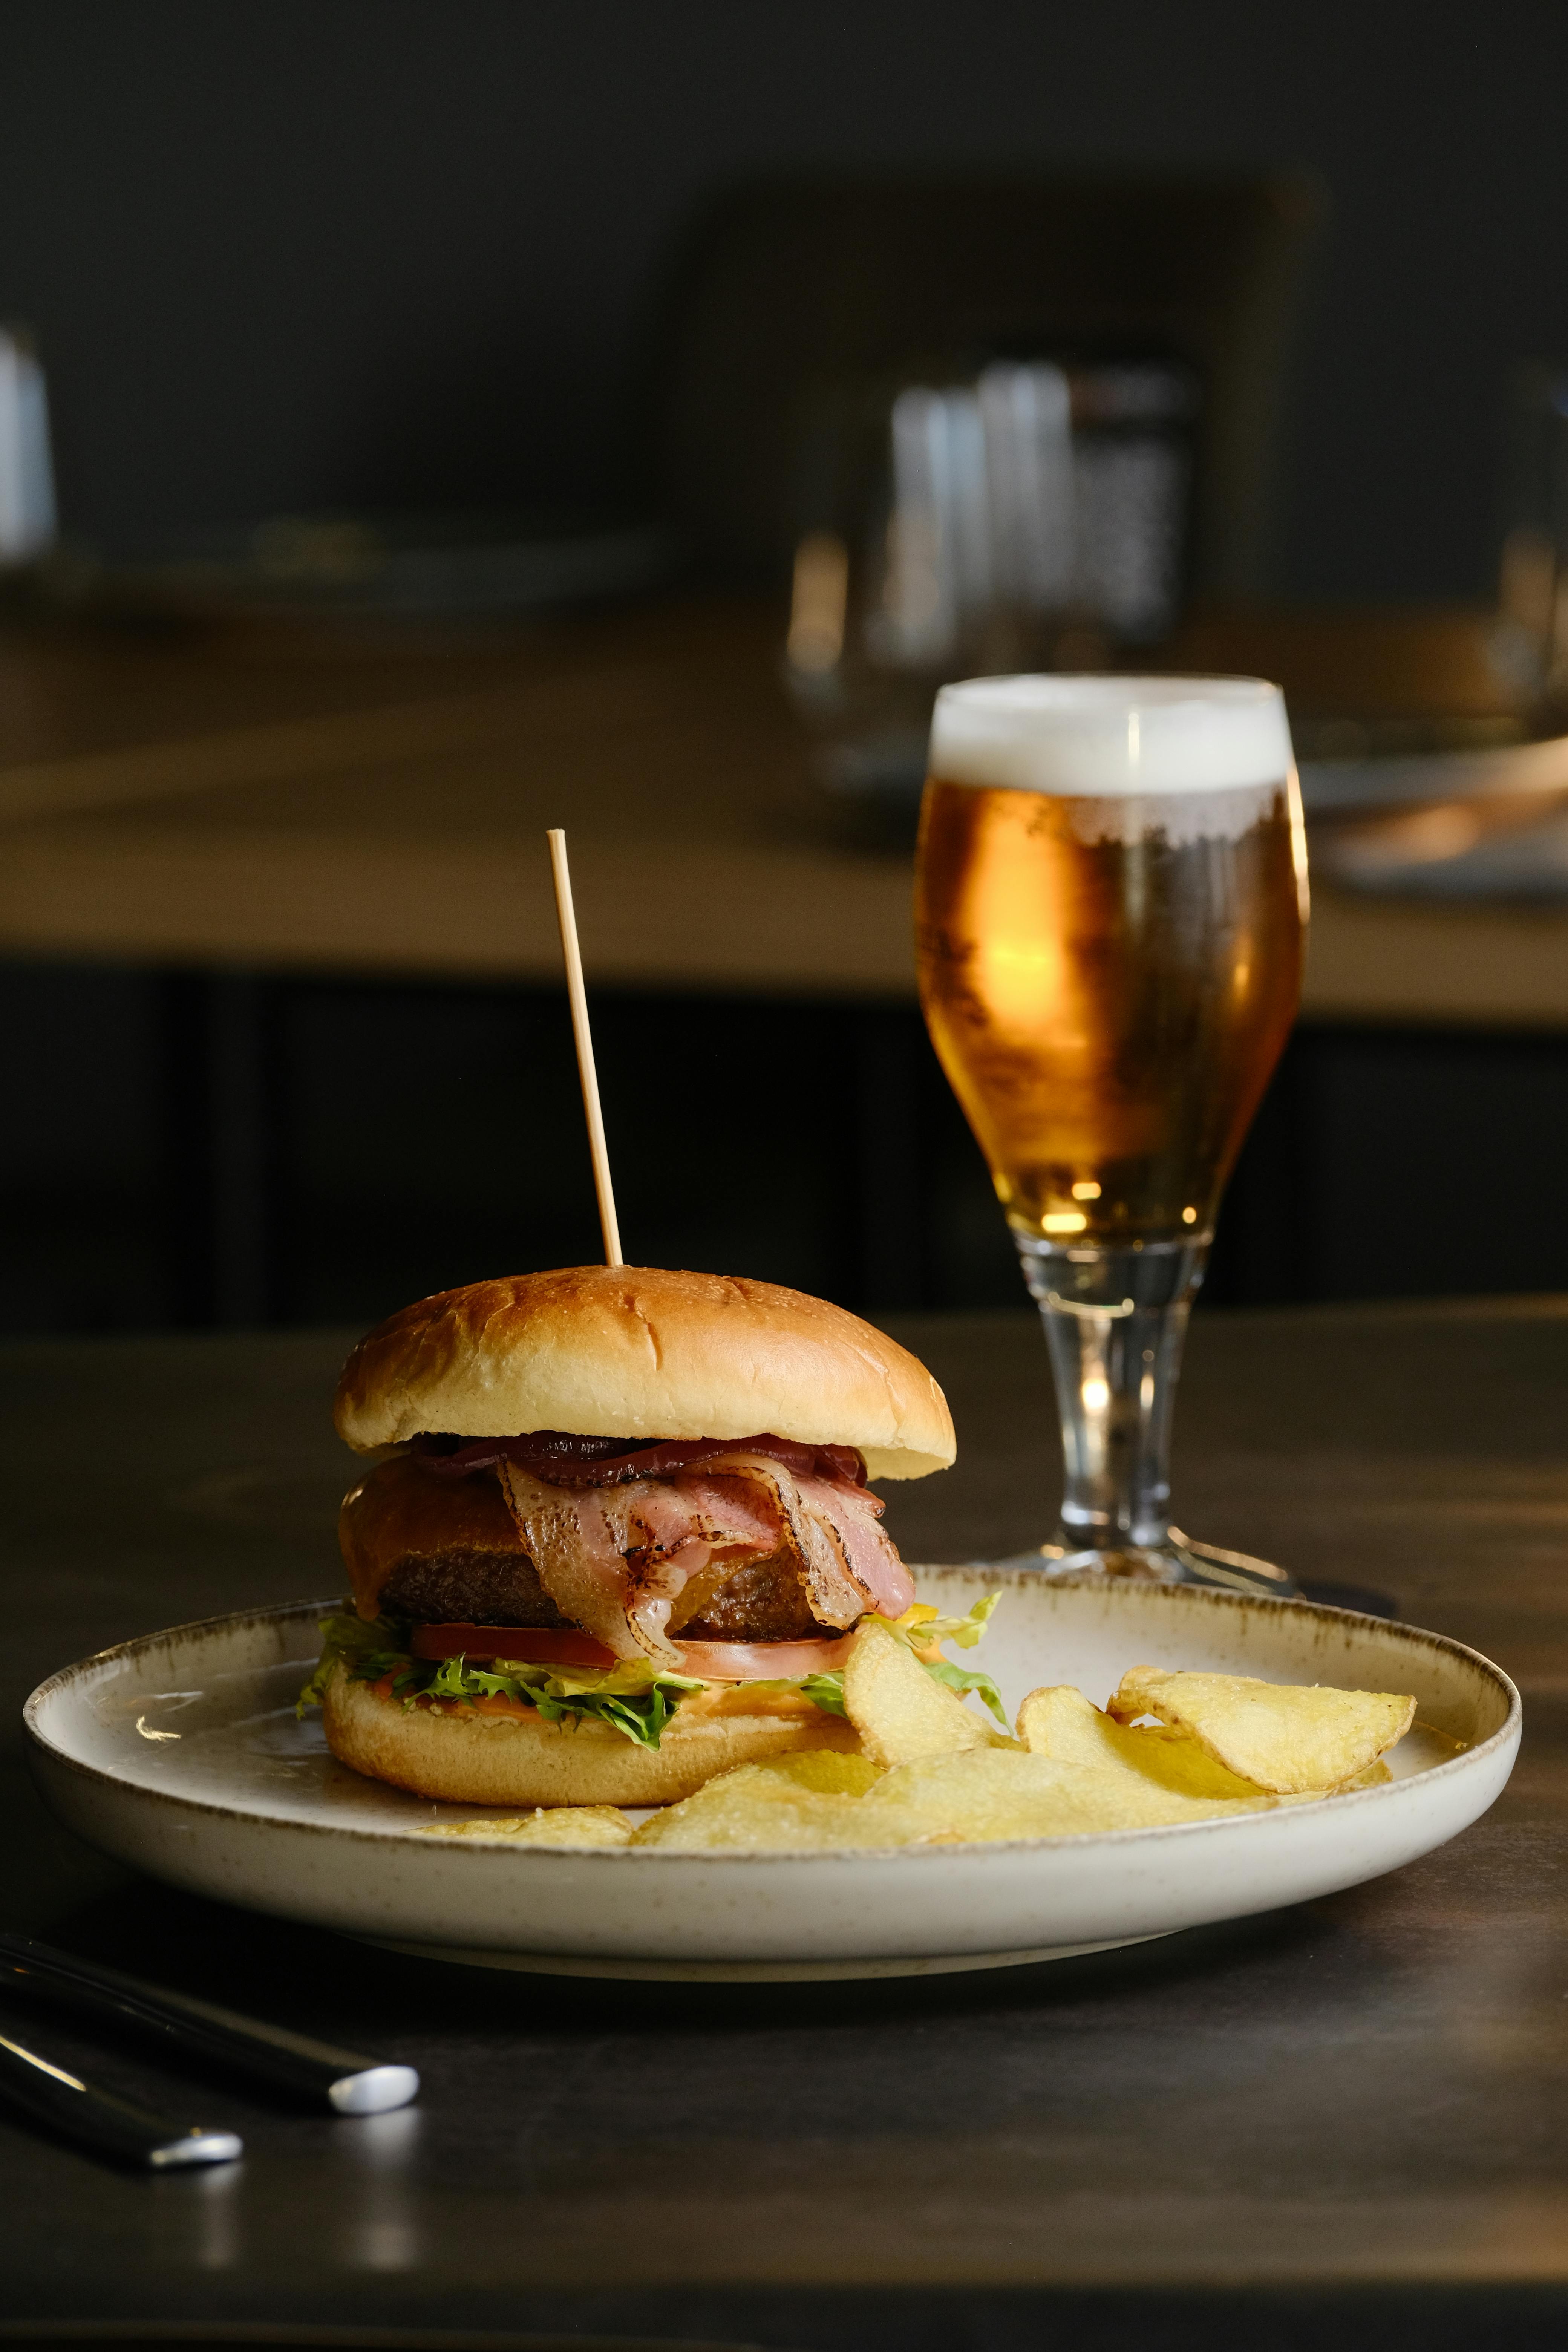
(521, 1759)
(643, 1352)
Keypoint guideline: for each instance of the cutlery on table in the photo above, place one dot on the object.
(345, 2080)
(98, 2120)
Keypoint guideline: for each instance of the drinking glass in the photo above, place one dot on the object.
(1109, 908)
(1028, 516)
(1530, 639)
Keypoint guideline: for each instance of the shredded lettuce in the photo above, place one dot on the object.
(964, 1679)
(921, 1624)
(921, 1628)
(368, 1650)
(633, 1696)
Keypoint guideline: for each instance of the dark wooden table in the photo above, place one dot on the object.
(1343, 2123)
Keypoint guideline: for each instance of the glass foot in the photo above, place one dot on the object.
(1178, 1561)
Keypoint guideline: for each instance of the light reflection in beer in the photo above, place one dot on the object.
(1108, 984)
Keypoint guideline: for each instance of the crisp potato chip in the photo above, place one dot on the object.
(1296, 1740)
(1060, 1722)
(789, 1802)
(824, 1771)
(978, 1794)
(557, 1825)
(748, 1824)
(994, 1793)
(899, 1710)
(823, 1802)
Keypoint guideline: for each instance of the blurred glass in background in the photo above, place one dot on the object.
(1027, 517)
(1463, 793)
(1531, 642)
(26, 472)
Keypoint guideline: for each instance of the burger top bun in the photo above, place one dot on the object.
(637, 1352)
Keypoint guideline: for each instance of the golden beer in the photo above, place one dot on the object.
(1108, 980)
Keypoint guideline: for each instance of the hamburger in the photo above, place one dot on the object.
(618, 1533)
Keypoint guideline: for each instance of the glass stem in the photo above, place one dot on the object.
(1115, 1322)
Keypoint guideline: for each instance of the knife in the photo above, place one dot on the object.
(112, 2127)
(341, 2079)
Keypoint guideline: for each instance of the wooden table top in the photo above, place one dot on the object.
(1317, 2127)
(285, 801)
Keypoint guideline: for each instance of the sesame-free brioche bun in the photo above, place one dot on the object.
(641, 1352)
(521, 1759)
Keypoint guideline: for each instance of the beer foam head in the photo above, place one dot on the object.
(1108, 737)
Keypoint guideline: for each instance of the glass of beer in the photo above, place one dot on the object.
(1110, 903)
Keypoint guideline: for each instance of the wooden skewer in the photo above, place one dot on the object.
(578, 995)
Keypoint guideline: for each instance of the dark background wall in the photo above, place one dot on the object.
(201, 1149)
(287, 253)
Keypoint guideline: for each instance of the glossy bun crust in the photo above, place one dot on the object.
(521, 1759)
(643, 1352)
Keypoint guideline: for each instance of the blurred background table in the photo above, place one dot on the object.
(1339, 2124)
(275, 897)
(297, 799)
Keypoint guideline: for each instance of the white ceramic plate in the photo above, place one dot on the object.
(180, 1754)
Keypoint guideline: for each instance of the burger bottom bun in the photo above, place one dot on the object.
(521, 1759)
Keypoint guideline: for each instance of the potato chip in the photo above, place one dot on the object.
(1060, 1722)
(900, 1711)
(598, 1825)
(1294, 1738)
(792, 1802)
(994, 1793)
(824, 1771)
(747, 1823)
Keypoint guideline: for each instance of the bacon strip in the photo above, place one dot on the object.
(849, 1564)
(574, 1547)
(670, 1530)
(616, 1561)
(850, 1515)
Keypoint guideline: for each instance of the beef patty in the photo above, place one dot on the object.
(447, 1551)
(755, 1600)
(468, 1587)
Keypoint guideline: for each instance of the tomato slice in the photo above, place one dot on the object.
(565, 1645)
(533, 1645)
(755, 1662)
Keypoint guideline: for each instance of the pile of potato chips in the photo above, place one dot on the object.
(1170, 1747)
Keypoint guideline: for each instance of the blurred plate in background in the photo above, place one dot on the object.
(452, 566)
(1460, 822)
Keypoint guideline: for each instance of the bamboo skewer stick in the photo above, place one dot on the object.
(583, 1036)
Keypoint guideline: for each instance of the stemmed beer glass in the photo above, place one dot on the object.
(1110, 906)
